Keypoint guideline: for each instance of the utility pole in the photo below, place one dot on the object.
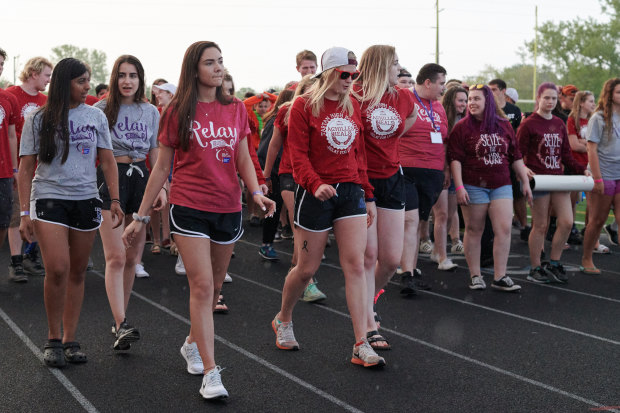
(535, 55)
(437, 34)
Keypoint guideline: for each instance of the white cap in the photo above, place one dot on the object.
(334, 57)
(511, 92)
(168, 87)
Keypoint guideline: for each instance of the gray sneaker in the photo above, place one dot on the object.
(17, 274)
(538, 275)
(556, 272)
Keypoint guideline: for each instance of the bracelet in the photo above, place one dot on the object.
(373, 199)
(596, 181)
(15, 170)
(144, 220)
(268, 179)
(460, 187)
(24, 214)
(115, 200)
(257, 193)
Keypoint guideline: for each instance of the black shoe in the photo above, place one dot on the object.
(287, 232)
(125, 335)
(408, 283)
(505, 284)
(16, 270)
(574, 237)
(539, 275)
(417, 274)
(556, 272)
(611, 234)
(525, 233)
(32, 263)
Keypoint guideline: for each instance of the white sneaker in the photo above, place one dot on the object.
(458, 247)
(179, 267)
(140, 271)
(228, 278)
(365, 355)
(477, 283)
(192, 357)
(212, 387)
(447, 265)
(426, 246)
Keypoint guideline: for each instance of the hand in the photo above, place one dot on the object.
(527, 193)
(266, 205)
(587, 173)
(599, 188)
(371, 210)
(264, 188)
(325, 192)
(117, 214)
(462, 197)
(529, 172)
(26, 229)
(161, 200)
(130, 232)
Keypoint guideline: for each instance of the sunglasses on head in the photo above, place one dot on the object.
(478, 86)
(344, 75)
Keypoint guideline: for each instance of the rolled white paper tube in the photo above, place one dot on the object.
(561, 183)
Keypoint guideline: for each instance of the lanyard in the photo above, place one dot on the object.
(429, 111)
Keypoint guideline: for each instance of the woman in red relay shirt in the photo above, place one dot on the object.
(327, 152)
(543, 140)
(205, 212)
(386, 113)
(481, 149)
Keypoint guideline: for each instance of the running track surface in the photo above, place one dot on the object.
(548, 348)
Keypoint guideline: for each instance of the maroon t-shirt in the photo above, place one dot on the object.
(485, 158)
(545, 147)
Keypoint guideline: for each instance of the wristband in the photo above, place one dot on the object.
(257, 193)
(268, 179)
(24, 214)
(459, 188)
(596, 181)
(15, 170)
(115, 200)
(144, 220)
(373, 199)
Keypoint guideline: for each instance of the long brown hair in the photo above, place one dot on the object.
(113, 101)
(55, 113)
(448, 104)
(184, 102)
(606, 107)
(575, 112)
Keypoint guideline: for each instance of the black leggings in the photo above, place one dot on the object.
(270, 225)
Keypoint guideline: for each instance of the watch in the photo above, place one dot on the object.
(144, 220)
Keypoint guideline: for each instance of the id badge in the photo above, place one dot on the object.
(436, 137)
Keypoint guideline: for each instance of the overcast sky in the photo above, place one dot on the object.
(259, 39)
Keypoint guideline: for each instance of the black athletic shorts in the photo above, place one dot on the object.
(422, 189)
(132, 179)
(390, 192)
(319, 216)
(221, 228)
(82, 215)
(6, 202)
(287, 183)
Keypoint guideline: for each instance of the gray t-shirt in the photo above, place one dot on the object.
(135, 132)
(608, 149)
(76, 179)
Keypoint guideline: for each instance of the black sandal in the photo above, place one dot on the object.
(373, 337)
(52, 353)
(221, 307)
(73, 353)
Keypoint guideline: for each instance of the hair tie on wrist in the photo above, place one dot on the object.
(115, 200)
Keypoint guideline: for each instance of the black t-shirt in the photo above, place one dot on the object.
(514, 115)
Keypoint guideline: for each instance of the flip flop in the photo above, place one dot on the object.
(589, 270)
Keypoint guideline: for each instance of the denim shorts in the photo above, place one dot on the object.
(479, 195)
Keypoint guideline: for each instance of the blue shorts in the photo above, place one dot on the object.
(479, 195)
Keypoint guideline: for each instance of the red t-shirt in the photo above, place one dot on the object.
(9, 115)
(327, 149)
(26, 104)
(485, 158)
(544, 145)
(383, 124)
(205, 177)
(286, 167)
(415, 146)
(91, 100)
(581, 157)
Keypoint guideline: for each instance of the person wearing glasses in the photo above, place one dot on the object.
(327, 152)
(386, 112)
(543, 141)
(482, 148)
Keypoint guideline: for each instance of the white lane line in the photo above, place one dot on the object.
(88, 406)
(251, 356)
(425, 258)
(451, 353)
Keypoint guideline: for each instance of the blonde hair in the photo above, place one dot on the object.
(301, 88)
(32, 66)
(375, 73)
(316, 93)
